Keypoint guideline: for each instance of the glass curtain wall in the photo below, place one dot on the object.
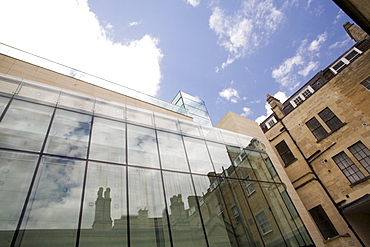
(80, 171)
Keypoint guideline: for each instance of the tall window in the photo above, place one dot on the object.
(236, 214)
(249, 186)
(263, 223)
(285, 153)
(316, 128)
(366, 83)
(323, 222)
(349, 169)
(362, 154)
(332, 121)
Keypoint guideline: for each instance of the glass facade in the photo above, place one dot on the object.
(81, 171)
(196, 108)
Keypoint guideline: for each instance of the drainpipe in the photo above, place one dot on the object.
(321, 183)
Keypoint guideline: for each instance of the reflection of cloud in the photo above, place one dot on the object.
(68, 32)
(247, 29)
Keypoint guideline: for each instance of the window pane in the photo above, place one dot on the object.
(147, 208)
(186, 226)
(198, 156)
(40, 93)
(54, 204)
(24, 126)
(219, 156)
(104, 219)
(16, 172)
(3, 102)
(316, 128)
(349, 169)
(142, 147)
(108, 141)
(323, 222)
(69, 134)
(172, 152)
(362, 154)
(331, 120)
(285, 153)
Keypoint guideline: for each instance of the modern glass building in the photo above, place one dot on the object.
(76, 170)
(196, 108)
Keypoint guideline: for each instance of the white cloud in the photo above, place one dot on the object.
(67, 32)
(230, 94)
(340, 44)
(290, 73)
(244, 31)
(338, 17)
(280, 96)
(193, 3)
(315, 45)
(246, 112)
(134, 23)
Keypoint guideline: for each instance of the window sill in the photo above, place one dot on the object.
(360, 181)
(329, 134)
(336, 237)
(291, 162)
(264, 234)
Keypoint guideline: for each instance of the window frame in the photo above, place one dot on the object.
(302, 96)
(361, 154)
(330, 119)
(323, 222)
(349, 169)
(366, 83)
(317, 129)
(283, 149)
(263, 223)
(344, 60)
(249, 187)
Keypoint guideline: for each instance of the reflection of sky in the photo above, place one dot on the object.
(55, 200)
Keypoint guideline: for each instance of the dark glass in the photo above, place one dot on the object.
(16, 172)
(24, 126)
(148, 220)
(108, 141)
(53, 209)
(69, 134)
(104, 218)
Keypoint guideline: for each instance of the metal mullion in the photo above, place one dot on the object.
(16, 241)
(84, 185)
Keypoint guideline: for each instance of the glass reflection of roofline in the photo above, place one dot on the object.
(94, 80)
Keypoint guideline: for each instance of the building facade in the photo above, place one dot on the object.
(321, 134)
(85, 166)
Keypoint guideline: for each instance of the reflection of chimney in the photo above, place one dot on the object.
(177, 208)
(103, 220)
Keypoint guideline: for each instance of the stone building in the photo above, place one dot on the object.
(322, 136)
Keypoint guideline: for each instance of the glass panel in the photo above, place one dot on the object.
(186, 226)
(76, 101)
(198, 156)
(69, 134)
(53, 209)
(16, 172)
(230, 137)
(41, 93)
(108, 141)
(24, 126)
(254, 163)
(166, 123)
(238, 208)
(189, 128)
(148, 221)
(8, 85)
(219, 156)
(216, 222)
(142, 147)
(139, 116)
(248, 141)
(104, 219)
(172, 152)
(211, 133)
(109, 109)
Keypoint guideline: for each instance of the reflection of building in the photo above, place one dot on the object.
(172, 182)
(322, 135)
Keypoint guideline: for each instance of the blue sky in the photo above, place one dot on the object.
(229, 53)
